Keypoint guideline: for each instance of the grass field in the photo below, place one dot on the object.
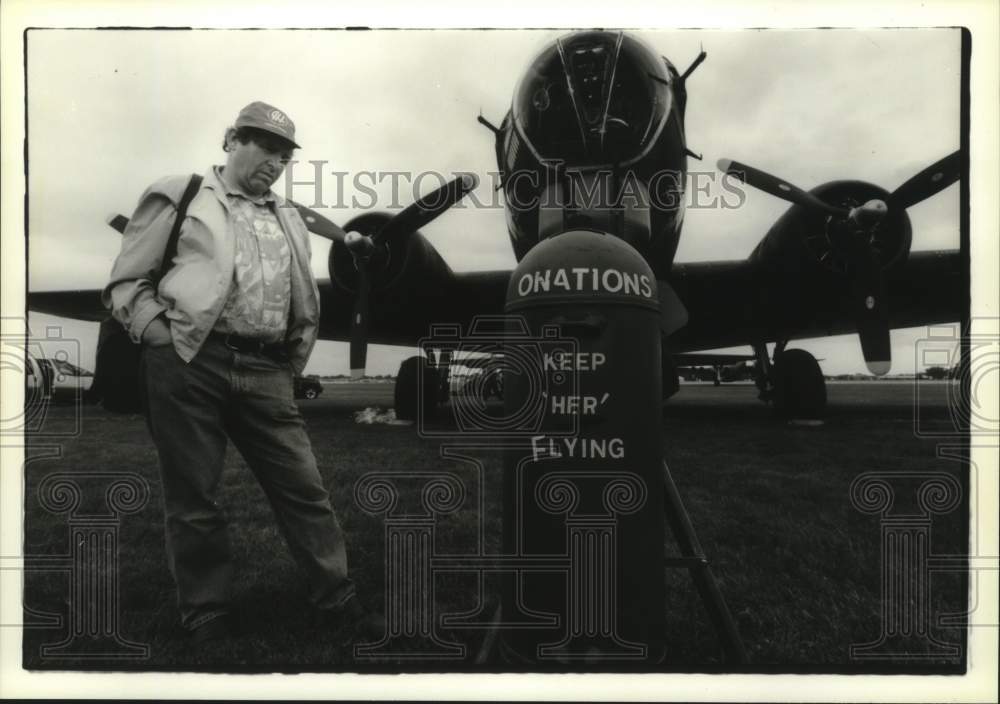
(798, 564)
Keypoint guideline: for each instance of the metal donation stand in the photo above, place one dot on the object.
(586, 501)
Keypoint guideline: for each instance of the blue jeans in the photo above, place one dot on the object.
(192, 409)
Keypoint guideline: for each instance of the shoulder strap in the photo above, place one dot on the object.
(175, 232)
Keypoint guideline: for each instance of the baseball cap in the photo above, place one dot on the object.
(266, 117)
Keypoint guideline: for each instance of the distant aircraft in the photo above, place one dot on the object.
(717, 368)
(599, 115)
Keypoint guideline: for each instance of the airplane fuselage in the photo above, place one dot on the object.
(595, 139)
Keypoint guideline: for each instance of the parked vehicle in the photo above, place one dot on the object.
(55, 378)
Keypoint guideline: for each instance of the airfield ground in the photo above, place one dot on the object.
(798, 564)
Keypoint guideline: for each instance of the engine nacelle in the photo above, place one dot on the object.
(803, 239)
(407, 263)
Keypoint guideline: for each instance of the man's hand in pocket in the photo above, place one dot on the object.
(157, 333)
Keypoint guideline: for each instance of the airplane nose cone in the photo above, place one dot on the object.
(869, 214)
(876, 206)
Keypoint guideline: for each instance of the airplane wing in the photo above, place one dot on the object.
(730, 303)
(737, 303)
(79, 304)
(399, 317)
(403, 315)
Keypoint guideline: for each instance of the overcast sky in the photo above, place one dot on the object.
(111, 111)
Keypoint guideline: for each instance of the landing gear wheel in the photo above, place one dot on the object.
(799, 387)
(416, 382)
(668, 373)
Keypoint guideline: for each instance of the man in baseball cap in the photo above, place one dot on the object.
(223, 335)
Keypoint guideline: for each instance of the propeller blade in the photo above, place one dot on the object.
(359, 323)
(931, 180)
(423, 211)
(776, 187)
(319, 225)
(871, 314)
(117, 221)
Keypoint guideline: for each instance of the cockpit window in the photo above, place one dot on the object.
(593, 99)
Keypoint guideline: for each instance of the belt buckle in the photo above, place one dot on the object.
(230, 342)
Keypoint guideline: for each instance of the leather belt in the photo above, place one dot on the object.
(252, 345)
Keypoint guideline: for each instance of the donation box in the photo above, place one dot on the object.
(583, 509)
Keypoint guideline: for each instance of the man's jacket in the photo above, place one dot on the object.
(194, 291)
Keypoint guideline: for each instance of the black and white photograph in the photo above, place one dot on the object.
(608, 352)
